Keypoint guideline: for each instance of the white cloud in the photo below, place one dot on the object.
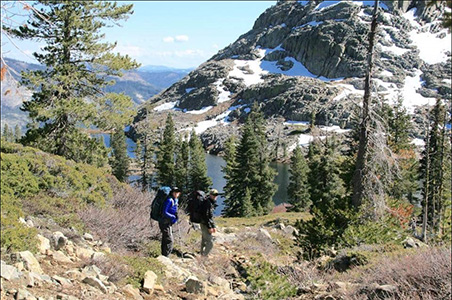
(168, 39)
(181, 38)
(177, 38)
(215, 46)
(132, 51)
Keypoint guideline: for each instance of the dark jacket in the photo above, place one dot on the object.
(207, 215)
(170, 209)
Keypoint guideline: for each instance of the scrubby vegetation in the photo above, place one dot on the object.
(37, 183)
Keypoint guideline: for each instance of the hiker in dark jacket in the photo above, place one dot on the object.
(169, 217)
(207, 223)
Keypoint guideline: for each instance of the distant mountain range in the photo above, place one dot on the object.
(140, 85)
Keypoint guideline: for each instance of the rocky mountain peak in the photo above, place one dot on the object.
(307, 58)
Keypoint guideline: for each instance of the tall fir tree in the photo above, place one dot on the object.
(232, 201)
(17, 133)
(119, 160)
(434, 167)
(69, 93)
(197, 168)
(8, 134)
(166, 155)
(330, 203)
(182, 164)
(298, 188)
(253, 170)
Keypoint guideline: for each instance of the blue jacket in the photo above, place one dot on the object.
(170, 209)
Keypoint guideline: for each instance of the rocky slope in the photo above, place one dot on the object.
(306, 59)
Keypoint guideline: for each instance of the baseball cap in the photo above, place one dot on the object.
(214, 192)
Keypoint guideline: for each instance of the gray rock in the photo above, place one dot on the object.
(94, 282)
(88, 237)
(59, 240)
(30, 262)
(195, 286)
(9, 272)
(23, 294)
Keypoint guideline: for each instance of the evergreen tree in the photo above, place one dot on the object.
(17, 133)
(166, 155)
(197, 168)
(298, 188)
(330, 204)
(69, 92)
(252, 170)
(433, 171)
(182, 164)
(119, 160)
(232, 200)
(8, 134)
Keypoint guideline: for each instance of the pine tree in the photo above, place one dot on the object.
(166, 155)
(252, 170)
(232, 201)
(119, 160)
(69, 94)
(298, 188)
(17, 133)
(8, 134)
(197, 168)
(330, 203)
(182, 164)
(433, 170)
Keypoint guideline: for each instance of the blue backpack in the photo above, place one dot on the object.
(157, 204)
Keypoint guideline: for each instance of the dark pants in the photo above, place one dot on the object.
(167, 236)
(206, 241)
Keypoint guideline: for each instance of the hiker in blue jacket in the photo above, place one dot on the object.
(169, 217)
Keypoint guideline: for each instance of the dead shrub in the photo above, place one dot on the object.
(112, 267)
(125, 222)
(424, 274)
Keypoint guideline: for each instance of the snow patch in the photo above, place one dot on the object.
(223, 95)
(198, 112)
(410, 96)
(418, 142)
(304, 123)
(394, 49)
(166, 106)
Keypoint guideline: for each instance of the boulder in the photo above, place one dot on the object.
(195, 286)
(44, 244)
(23, 294)
(173, 271)
(83, 253)
(94, 282)
(149, 282)
(9, 272)
(65, 283)
(59, 240)
(263, 233)
(131, 293)
(88, 237)
(30, 262)
(60, 257)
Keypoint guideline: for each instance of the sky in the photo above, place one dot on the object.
(178, 34)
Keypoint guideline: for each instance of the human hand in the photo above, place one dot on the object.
(212, 230)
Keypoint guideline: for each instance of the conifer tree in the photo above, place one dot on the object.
(119, 160)
(8, 134)
(434, 167)
(17, 133)
(252, 170)
(166, 155)
(182, 164)
(69, 92)
(298, 188)
(197, 168)
(232, 200)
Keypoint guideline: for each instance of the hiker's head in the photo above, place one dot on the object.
(213, 194)
(175, 191)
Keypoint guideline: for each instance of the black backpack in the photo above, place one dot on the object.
(195, 206)
(157, 203)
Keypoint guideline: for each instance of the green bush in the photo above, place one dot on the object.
(266, 282)
(38, 183)
(139, 266)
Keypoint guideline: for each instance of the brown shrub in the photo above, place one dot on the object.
(424, 274)
(125, 222)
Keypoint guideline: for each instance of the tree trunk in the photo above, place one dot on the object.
(426, 183)
(358, 176)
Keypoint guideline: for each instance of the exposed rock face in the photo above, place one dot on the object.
(305, 61)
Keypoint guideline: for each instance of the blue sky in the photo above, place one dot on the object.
(180, 34)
